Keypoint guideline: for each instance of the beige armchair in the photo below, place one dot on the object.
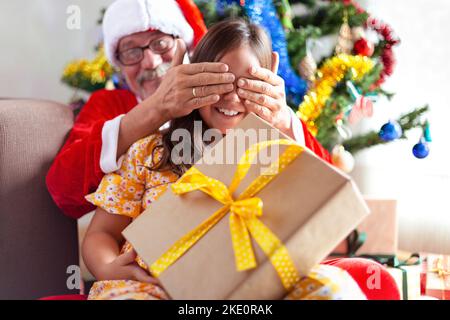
(37, 242)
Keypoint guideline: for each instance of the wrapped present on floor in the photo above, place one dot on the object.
(436, 276)
(247, 229)
(380, 227)
(377, 234)
(407, 275)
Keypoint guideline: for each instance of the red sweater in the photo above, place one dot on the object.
(76, 171)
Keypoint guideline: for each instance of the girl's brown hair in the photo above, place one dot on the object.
(222, 38)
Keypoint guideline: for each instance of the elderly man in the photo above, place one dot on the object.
(147, 40)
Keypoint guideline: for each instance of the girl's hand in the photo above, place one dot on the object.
(266, 96)
(124, 267)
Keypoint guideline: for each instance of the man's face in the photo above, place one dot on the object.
(144, 77)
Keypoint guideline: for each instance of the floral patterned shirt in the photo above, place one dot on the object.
(135, 185)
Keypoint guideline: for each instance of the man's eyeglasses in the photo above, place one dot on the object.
(135, 55)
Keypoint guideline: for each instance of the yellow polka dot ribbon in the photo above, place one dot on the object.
(244, 214)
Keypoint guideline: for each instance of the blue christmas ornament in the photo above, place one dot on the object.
(264, 14)
(421, 150)
(390, 131)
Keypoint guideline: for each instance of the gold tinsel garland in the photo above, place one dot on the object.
(328, 76)
(97, 71)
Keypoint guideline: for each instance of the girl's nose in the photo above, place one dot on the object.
(232, 97)
(151, 60)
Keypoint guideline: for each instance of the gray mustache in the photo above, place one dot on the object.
(148, 75)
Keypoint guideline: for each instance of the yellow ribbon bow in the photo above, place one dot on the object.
(441, 270)
(244, 214)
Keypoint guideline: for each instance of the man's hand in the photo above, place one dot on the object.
(266, 96)
(124, 267)
(188, 87)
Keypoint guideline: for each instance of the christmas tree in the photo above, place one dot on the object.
(328, 94)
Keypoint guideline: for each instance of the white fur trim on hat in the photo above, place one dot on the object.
(125, 17)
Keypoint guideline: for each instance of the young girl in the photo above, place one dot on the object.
(148, 169)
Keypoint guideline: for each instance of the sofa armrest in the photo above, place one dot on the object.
(37, 241)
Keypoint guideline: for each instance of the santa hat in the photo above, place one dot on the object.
(180, 18)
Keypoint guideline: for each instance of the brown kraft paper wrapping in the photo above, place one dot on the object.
(311, 207)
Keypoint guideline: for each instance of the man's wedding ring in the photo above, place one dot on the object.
(194, 93)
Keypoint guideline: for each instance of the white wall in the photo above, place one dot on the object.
(35, 45)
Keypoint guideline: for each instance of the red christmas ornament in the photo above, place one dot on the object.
(386, 34)
(364, 47)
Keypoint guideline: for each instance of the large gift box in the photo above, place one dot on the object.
(199, 237)
(380, 227)
(378, 233)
